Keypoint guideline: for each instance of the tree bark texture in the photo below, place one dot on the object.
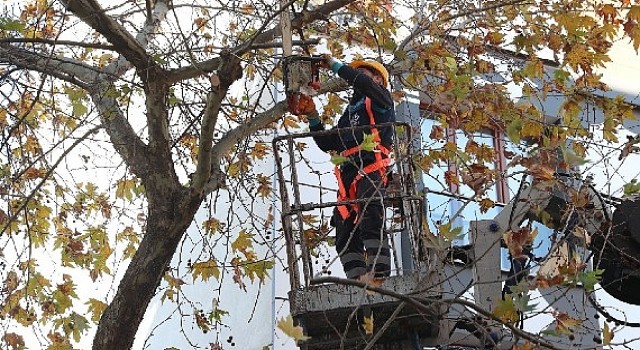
(166, 226)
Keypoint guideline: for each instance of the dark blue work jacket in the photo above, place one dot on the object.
(355, 114)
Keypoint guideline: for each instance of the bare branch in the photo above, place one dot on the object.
(90, 12)
(423, 28)
(58, 42)
(305, 17)
(48, 176)
(275, 44)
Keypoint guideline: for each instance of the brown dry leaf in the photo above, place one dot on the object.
(398, 96)
(437, 133)
(525, 346)
(14, 340)
(486, 204)
(541, 172)
(517, 240)
(451, 178)
(607, 12)
(237, 277)
(581, 233)
(476, 177)
(544, 282)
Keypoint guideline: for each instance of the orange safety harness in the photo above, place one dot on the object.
(379, 165)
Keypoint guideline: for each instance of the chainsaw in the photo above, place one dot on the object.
(301, 77)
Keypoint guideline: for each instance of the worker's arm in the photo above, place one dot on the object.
(378, 94)
(325, 142)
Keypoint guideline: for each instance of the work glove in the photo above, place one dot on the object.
(328, 61)
(326, 58)
(302, 105)
(306, 105)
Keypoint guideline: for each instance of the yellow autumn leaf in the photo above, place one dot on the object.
(96, 308)
(367, 324)
(607, 334)
(243, 242)
(295, 332)
(205, 269)
(290, 122)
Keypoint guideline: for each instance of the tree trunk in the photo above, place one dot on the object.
(165, 228)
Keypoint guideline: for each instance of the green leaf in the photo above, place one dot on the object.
(571, 158)
(552, 332)
(590, 279)
(295, 332)
(561, 75)
(258, 269)
(78, 325)
(11, 25)
(337, 159)
(368, 144)
(513, 130)
(450, 233)
(158, 58)
(607, 334)
(506, 310)
(126, 189)
(522, 287)
(451, 63)
(243, 242)
(76, 97)
(217, 314)
(521, 302)
(631, 188)
(96, 308)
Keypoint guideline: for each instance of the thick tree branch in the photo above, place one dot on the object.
(156, 92)
(229, 72)
(156, 17)
(234, 136)
(304, 18)
(90, 12)
(124, 139)
(192, 71)
(321, 12)
(63, 68)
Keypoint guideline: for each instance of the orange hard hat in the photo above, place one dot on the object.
(375, 66)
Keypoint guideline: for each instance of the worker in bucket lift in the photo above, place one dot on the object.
(361, 241)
